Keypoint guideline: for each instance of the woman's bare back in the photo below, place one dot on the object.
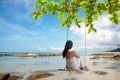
(71, 54)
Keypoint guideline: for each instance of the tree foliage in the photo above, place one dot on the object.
(68, 11)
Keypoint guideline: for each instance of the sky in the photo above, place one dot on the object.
(19, 32)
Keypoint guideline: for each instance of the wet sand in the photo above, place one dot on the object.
(96, 72)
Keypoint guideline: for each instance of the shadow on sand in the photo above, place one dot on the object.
(72, 78)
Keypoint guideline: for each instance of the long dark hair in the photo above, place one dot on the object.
(68, 45)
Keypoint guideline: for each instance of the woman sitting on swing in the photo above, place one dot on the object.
(72, 58)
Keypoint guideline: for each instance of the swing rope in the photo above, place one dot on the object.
(85, 48)
(67, 34)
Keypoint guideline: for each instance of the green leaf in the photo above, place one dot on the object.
(53, 3)
(78, 25)
(33, 12)
(94, 29)
(43, 1)
(37, 14)
(38, 17)
(83, 3)
(34, 17)
(87, 24)
(62, 24)
(80, 20)
(36, 5)
(110, 18)
(90, 30)
(60, 15)
(102, 5)
(115, 21)
(96, 15)
(91, 25)
(57, 3)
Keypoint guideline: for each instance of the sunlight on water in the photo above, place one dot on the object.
(26, 66)
(18, 64)
(14, 64)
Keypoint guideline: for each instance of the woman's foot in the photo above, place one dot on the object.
(85, 68)
(81, 68)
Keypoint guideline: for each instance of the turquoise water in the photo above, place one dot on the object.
(19, 64)
(24, 66)
(27, 52)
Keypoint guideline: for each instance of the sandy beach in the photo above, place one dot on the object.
(90, 75)
(85, 75)
(96, 72)
(49, 68)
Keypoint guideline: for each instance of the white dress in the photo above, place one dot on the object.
(73, 63)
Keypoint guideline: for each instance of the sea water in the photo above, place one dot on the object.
(24, 66)
(29, 64)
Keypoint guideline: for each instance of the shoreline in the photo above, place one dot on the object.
(31, 55)
(95, 55)
(94, 74)
(100, 69)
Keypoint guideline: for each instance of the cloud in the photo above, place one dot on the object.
(56, 48)
(54, 29)
(43, 49)
(27, 4)
(6, 27)
(20, 10)
(14, 37)
(16, 31)
(106, 37)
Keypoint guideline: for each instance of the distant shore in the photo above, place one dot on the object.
(106, 55)
(31, 55)
(115, 50)
(95, 55)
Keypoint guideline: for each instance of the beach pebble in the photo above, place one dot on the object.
(39, 75)
(94, 63)
(4, 76)
(100, 72)
(13, 77)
